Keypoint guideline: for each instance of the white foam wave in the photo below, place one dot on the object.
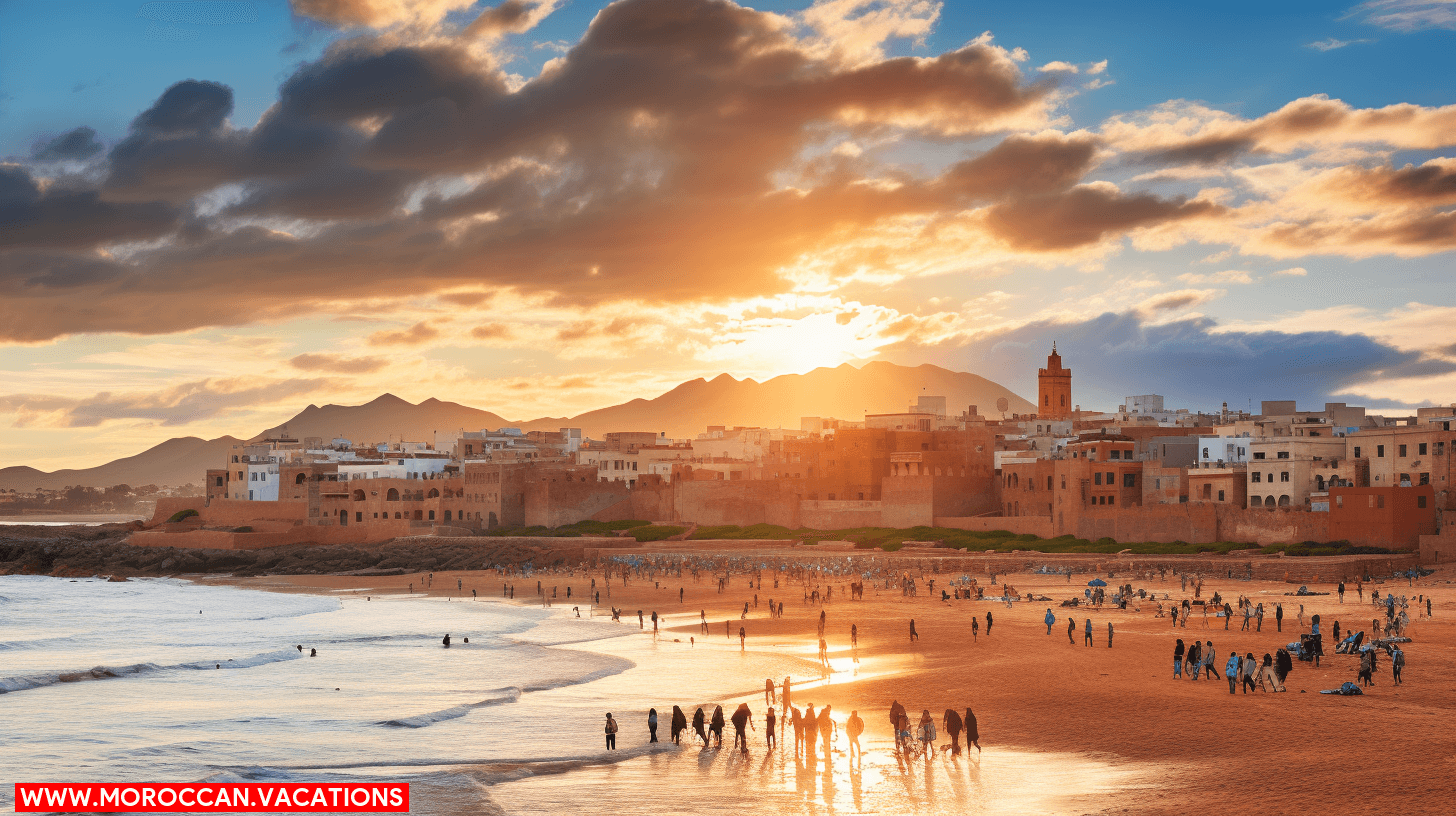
(35, 681)
(507, 695)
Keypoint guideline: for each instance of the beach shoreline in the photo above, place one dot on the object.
(1035, 692)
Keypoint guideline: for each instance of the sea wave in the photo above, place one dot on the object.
(505, 695)
(34, 681)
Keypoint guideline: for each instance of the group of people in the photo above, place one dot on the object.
(921, 740)
(1247, 672)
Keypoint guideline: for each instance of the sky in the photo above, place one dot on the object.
(216, 212)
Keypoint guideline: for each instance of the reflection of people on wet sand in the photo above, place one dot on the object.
(716, 726)
(854, 726)
(699, 722)
(811, 730)
(679, 724)
(798, 721)
(742, 717)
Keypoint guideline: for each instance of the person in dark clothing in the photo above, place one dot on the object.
(771, 721)
(953, 726)
(1228, 614)
(715, 726)
(679, 724)
(988, 630)
(611, 732)
(1279, 616)
(1178, 651)
(973, 733)
(1087, 634)
(1283, 664)
(742, 718)
(914, 636)
(698, 722)
(652, 725)
(1071, 632)
(446, 641)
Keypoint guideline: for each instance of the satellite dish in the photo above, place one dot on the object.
(1001, 405)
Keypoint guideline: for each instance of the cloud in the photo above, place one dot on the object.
(1058, 65)
(337, 363)
(1226, 276)
(56, 215)
(1175, 301)
(1085, 215)
(74, 145)
(378, 13)
(1291, 272)
(491, 331)
(1193, 362)
(1407, 15)
(177, 405)
(421, 332)
(1331, 44)
(510, 17)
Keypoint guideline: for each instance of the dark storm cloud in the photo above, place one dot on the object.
(75, 145)
(1189, 361)
(32, 217)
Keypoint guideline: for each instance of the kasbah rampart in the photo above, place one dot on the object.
(1141, 474)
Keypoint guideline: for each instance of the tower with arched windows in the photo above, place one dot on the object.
(1054, 388)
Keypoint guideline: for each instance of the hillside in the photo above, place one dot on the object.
(684, 412)
(845, 392)
(387, 418)
(174, 462)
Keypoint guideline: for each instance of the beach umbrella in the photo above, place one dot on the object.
(1097, 582)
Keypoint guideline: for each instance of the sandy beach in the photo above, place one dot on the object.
(1151, 744)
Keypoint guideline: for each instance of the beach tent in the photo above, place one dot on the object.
(1097, 582)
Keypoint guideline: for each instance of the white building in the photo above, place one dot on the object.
(1222, 451)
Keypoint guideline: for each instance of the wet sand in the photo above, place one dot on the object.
(1066, 728)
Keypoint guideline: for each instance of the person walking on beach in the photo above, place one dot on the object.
(769, 698)
(1050, 619)
(1194, 660)
(975, 629)
(1071, 631)
(854, 640)
(1178, 652)
(1231, 671)
(1109, 634)
(611, 732)
(796, 717)
(1247, 670)
(988, 623)
(1279, 616)
(914, 636)
(953, 724)
(1228, 613)
(973, 731)
(1174, 612)
(652, 725)
(679, 724)
(1087, 633)
(1259, 614)
(770, 724)
(699, 722)
(742, 639)
(1340, 589)
(1397, 662)
(828, 730)
(715, 726)
(703, 615)
(742, 717)
(854, 727)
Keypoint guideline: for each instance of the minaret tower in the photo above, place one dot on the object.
(1054, 388)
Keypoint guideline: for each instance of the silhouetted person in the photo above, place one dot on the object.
(313, 652)
(652, 725)
(914, 636)
(698, 722)
(742, 718)
(679, 724)
(973, 732)
(611, 732)
(716, 726)
(953, 726)
(446, 641)
(771, 723)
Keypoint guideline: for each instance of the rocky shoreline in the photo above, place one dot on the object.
(73, 552)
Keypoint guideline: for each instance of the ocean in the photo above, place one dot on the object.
(162, 680)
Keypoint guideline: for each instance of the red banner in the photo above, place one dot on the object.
(202, 797)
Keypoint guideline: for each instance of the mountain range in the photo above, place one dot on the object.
(845, 392)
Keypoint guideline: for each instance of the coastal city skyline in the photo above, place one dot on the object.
(220, 218)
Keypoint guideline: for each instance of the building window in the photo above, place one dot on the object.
(1241, 453)
(1282, 455)
(1258, 454)
(1339, 501)
(1116, 454)
(1112, 478)
(1425, 479)
(1357, 451)
(1284, 477)
(219, 481)
(1421, 502)
(1380, 501)
(1220, 495)
(1205, 453)
(1255, 477)
(1421, 449)
(1129, 480)
(1379, 451)
(1097, 478)
(1402, 451)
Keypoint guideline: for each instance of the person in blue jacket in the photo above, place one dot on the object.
(1050, 619)
(1231, 671)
